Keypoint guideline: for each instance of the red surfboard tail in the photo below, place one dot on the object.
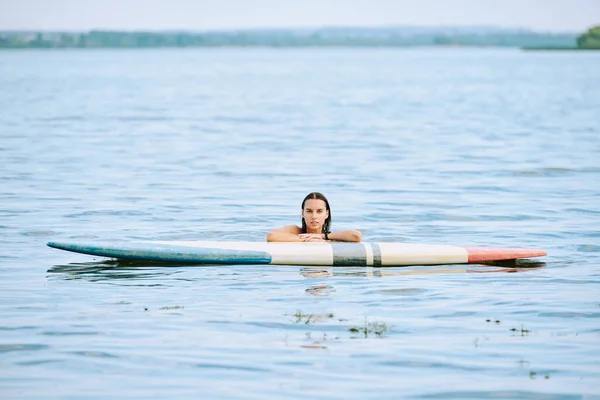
(486, 254)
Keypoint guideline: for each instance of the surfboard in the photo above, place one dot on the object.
(381, 254)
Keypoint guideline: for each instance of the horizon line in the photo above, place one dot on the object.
(296, 28)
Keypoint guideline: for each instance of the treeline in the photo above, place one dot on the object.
(590, 39)
(345, 37)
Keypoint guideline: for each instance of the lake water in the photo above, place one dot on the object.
(452, 146)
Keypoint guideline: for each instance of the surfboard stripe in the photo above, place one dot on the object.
(376, 255)
(349, 254)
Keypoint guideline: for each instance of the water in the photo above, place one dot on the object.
(457, 146)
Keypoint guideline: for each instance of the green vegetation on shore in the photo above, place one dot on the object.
(341, 37)
(589, 40)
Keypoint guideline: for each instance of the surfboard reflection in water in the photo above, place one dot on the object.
(99, 271)
(511, 266)
(114, 270)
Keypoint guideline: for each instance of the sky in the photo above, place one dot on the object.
(82, 15)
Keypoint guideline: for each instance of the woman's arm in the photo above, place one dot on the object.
(290, 233)
(341, 236)
(349, 235)
(293, 233)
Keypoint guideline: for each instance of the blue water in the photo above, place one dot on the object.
(452, 146)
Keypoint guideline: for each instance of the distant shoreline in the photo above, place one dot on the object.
(390, 37)
(556, 49)
(374, 47)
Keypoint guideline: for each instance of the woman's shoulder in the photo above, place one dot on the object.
(290, 228)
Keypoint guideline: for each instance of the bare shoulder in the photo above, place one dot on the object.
(290, 229)
(288, 233)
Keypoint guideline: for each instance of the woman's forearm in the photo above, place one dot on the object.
(340, 236)
(345, 236)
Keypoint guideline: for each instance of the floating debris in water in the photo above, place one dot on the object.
(378, 328)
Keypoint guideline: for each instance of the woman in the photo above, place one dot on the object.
(316, 222)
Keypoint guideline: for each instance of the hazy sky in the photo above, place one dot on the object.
(544, 15)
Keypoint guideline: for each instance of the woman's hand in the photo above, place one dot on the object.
(312, 237)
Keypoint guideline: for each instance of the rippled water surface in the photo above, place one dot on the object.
(474, 147)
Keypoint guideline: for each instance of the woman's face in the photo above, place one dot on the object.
(314, 213)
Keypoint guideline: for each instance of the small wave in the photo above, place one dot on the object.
(107, 212)
(588, 248)
(5, 348)
(583, 211)
(455, 314)
(569, 315)
(40, 233)
(230, 367)
(58, 333)
(401, 291)
(546, 172)
(16, 328)
(223, 118)
(94, 354)
(498, 394)
(37, 362)
(433, 364)
(64, 118)
(140, 118)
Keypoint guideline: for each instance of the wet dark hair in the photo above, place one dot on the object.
(327, 223)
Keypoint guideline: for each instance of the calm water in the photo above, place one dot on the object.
(479, 147)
